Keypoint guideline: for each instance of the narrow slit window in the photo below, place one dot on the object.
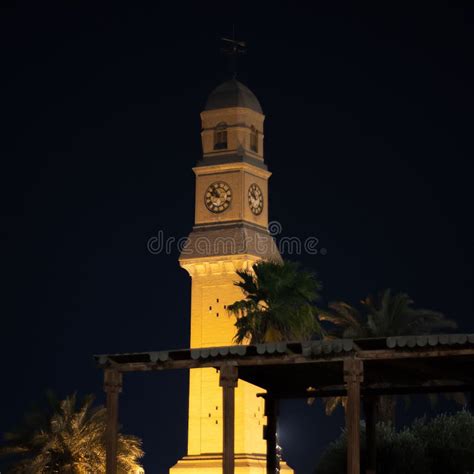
(220, 136)
(253, 139)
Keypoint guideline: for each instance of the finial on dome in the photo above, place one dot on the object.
(232, 48)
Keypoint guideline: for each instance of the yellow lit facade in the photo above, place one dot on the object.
(230, 233)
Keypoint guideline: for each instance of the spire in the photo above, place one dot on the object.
(232, 48)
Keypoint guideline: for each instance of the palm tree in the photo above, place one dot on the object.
(278, 304)
(68, 439)
(388, 315)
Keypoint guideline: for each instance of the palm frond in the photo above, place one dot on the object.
(331, 403)
(71, 440)
(278, 303)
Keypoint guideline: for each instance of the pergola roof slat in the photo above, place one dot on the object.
(409, 361)
(433, 340)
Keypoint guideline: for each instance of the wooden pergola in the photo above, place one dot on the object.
(359, 369)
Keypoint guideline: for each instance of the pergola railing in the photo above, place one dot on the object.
(359, 369)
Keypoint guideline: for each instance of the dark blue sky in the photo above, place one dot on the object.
(368, 135)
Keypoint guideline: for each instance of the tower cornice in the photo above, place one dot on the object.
(223, 264)
(202, 170)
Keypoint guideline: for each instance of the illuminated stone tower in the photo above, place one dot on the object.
(230, 233)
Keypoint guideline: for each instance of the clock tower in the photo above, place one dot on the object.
(230, 233)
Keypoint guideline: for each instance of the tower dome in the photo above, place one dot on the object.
(232, 94)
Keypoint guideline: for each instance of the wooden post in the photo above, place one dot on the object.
(370, 433)
(271, 412)
(228, 382)
(353, 376)
(112, 388)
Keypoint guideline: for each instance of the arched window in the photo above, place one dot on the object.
(253, 139)
(220, 136)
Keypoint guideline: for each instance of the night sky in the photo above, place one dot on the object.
(368, 133)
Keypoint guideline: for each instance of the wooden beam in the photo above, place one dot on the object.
(370, 433)
(415, 353)
(112, 388)
(228, 381)
(246, 361)
(353, 377)
(271, 412)
(374, 391)
(282, 359)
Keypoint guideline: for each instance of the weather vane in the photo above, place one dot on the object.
(232, 48)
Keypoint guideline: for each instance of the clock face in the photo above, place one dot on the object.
(218, 197)
(255, 199)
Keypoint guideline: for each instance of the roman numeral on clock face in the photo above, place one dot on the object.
(255, 199)
(218, 197)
